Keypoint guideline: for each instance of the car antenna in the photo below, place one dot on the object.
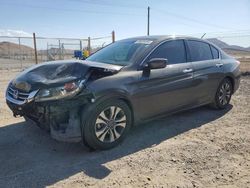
(203, 35)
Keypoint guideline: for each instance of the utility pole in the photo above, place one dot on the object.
(148, 19)
(34, 40)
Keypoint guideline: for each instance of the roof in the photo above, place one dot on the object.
(158, 38)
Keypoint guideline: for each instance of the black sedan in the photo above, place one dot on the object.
(98, 100)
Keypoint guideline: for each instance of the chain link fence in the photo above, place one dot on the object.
(19, 52)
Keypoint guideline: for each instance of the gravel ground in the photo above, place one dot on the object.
(196, 148)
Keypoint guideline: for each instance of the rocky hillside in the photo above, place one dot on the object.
(9, 48)
(226, 46)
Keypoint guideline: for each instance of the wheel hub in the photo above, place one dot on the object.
(110, 124)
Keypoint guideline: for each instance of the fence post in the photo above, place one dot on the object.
(47, 52)
(89, 45)
(34, 39)
(59, 48)
(9, 50)
(80, 45)
(113, 36)
(20, 58)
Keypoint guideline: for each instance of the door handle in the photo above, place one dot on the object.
(187, 70)
(219, 64)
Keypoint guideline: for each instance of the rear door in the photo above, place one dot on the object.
(207, 69)
(167, 89)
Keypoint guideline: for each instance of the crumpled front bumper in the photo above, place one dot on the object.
(61, 118)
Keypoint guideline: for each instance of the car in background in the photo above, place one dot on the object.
(98, 100)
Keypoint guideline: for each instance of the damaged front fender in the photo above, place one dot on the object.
(59, 115)
(62, 117)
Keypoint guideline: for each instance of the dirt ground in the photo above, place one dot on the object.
(197, 148)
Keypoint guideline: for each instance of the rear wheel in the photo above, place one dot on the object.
(106, 124)
(223, 94)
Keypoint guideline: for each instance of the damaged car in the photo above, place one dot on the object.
(98, 100)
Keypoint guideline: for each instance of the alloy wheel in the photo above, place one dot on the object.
(225, 93)
(110, 124)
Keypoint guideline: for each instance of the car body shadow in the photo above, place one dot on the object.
(30, 158)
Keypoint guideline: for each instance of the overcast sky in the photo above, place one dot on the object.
(83, 18)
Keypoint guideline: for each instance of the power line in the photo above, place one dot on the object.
(110, 4)
(178, 16)
(69, 10)
(56, 38)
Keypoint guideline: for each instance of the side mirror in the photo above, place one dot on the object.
(157, 63)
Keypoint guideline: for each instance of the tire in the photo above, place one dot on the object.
(223, 94)
(105, 124)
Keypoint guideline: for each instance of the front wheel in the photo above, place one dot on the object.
(106, 124)
(223, 94)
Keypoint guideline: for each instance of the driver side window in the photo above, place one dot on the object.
(174, 51)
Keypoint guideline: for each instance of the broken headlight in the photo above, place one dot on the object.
(66, 91)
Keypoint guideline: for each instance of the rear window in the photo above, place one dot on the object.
(215, 52)
(199, 51)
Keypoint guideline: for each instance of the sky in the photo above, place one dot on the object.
(128, 18)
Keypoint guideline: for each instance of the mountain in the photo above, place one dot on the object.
(226, 46)
(218, 42)
(10, 49)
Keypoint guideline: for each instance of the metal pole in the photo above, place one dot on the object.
(47, 51)
(34, 39)
(89, 45)
(9, 50)
(113, 36)
(20, 52)
(148, 20)
(60, 51)
(80, 45)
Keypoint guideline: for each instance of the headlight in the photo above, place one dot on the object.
(66, 91)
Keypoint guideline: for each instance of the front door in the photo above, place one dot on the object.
(166, 89)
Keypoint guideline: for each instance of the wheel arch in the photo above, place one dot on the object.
(231, 79)
(117, 95)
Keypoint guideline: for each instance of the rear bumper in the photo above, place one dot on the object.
(236, 83)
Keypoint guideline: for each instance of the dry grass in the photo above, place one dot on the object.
(244, 65)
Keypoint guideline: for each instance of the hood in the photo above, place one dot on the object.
(55, 73)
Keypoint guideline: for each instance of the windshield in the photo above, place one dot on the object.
(120, 53)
